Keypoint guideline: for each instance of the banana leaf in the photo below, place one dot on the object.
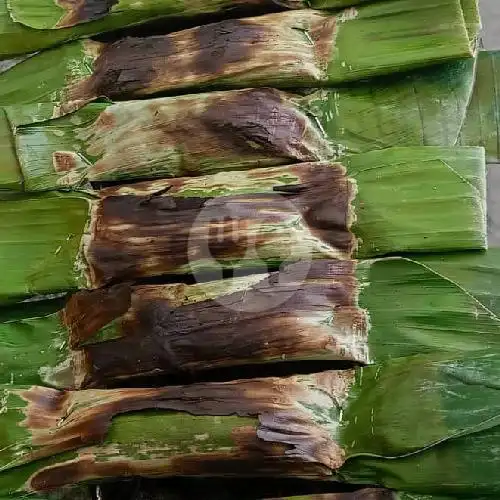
(461, 468)
(312, 426)
(116, 335)
(11, 177)
(365, 312)
(408, 200)
(53, 14)
(364, 494)
(17, 38)
(482, 122)
(316, 50)
(473, 22)
(233, 130)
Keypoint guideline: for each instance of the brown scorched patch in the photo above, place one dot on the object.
(229, 54)
(136, 236)
(78, 11)
(286, 431)
(284, 316)
(207, 132)
(86, 312)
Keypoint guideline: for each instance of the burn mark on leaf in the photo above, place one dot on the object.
(261, 118)
(309, 309)
(225, 43)
(131, 239)
(63, 161)
(122, 68)
(87, 312)
(198, 134)
(251, 457)
(78, 11)
(228, 54)
(286, 432)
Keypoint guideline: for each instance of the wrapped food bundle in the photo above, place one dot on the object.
(293, 49)
(416, 410)
(248, 241)
(28, 26)
(235, 130)
(359, 312)
(246, 220)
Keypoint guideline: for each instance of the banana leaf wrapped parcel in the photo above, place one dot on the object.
(385, 202)
(234, 130)
(481, 125)
(312, 426)
(298, 48)
(29, 26)
(327, 310)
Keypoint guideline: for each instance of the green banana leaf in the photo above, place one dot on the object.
(385, 424)
(408, 200)
(11, 177)
(482, 123)
(53, 14)
(17, 38)
(364, 494)
(318, 50)
(472, 18)
(365, 312)
(463, 465)
(232, 130)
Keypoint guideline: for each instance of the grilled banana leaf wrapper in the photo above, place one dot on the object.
(29, 26)
(355, 311)
(298, 48)
(53, 14)
(232, 130)
(314, 426)
(394, 200)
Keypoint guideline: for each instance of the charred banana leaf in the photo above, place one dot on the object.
(56, 14)
(233, 130)
(407, 201)
(20, 35)
(109, 337)
(314, 49)
(362, 312)
(311, 426)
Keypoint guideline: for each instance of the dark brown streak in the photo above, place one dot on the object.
(167, 233)
(251, 458)
(87, 312)
(262, 117)
(79, 11)
(62, 421)
(122, 69)
(225, 43)
(263, 323)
